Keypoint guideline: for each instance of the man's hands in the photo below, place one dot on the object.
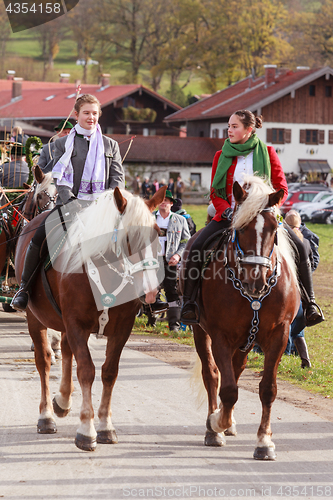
(174, 260)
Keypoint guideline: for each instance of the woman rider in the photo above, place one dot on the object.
(86, 163)
(242, 153)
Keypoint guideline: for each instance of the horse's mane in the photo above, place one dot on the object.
(258, 190)
(98, 229)
(43, 185)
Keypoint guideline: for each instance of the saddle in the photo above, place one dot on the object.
(212, 245)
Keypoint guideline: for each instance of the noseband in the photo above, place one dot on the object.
(51, 199)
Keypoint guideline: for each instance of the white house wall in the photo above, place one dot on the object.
(289, 154)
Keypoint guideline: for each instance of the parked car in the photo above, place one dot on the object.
(321, 196)
(324, 215)
(298, 196)
(307, 211)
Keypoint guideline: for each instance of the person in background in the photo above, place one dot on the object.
(177, 209)
(45, 161)
(179, 188)
(311, 243)
(18, 136)
(162, 183)
(145, 189)
(171, 186)
(15, 172)
(155, 186)
(136, 185)
(174, 235)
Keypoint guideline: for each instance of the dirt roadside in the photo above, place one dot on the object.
(182, 356)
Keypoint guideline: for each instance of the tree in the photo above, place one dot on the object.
(5, 33)
(85, 26)
(49, 36)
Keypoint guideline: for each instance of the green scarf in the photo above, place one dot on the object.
(261, 161)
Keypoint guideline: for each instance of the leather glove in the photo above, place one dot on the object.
(227, 214)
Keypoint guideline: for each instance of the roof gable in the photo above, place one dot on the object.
(248, 94)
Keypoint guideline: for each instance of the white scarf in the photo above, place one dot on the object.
(93, 177)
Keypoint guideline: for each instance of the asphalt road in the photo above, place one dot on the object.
(160, 453)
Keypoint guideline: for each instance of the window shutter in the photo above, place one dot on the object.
(302, 136)
(321, 136)
(287, 136)
(330, 137)
(225, 133)
(269, 135)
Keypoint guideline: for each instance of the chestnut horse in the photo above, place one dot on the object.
(249, 293)
(78, 313)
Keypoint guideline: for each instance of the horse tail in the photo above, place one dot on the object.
(196, 381)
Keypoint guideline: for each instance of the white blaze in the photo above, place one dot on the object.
(259, 227)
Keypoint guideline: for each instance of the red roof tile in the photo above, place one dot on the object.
(34, 102)
(246, 94)
(169, 149)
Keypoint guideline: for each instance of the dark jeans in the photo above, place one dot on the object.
(170, 282)
(301, 249)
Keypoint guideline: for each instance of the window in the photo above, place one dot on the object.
(306, 196)
(201, 133)
(225, 133)
(129, 101)
(328, 91)
(312, 90)
(309, 136)
(278, 135)
(215, 133)
(195, 180)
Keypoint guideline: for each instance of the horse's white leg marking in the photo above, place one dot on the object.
(259, 227)
(105, 424)
(264, 441)
(87, 427)
(214, 421)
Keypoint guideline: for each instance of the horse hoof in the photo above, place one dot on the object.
(231, 431)
(59, 411)
(264, 453)
(46, 426)
(107, 437)
(85, 443)
(214, 439)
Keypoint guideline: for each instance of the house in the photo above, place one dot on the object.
(162, 157)
(132, 109)
(297, 108)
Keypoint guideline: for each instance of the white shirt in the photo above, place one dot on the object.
(244, 167)
(162, 224)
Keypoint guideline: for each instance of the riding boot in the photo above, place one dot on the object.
(190, 313)
(158, 306)
(313, 313)
(31, 262)
(303, 352)
(174, 316)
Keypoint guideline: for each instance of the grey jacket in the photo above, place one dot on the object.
(177, 235)
(114, 172)
(45, 162)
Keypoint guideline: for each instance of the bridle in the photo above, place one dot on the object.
(51, 200)
(243, 258)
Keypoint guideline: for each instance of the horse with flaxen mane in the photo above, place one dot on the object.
(74, 301)
(249, 293)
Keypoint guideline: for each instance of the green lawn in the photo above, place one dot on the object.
(319, 378)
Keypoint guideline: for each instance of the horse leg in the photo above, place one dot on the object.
(38, 332)
(239, 360)
(265, 448)
(78, 343)
(106, 433)
(221, 419)
(62, 402)
(210, 377)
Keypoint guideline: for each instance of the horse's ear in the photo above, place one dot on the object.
(39, 174)
(26, 186)
(239, 192)
(275, 198)
(157, 199)
(121, 202)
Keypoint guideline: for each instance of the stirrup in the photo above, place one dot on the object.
(318, 317)
(190, 313)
